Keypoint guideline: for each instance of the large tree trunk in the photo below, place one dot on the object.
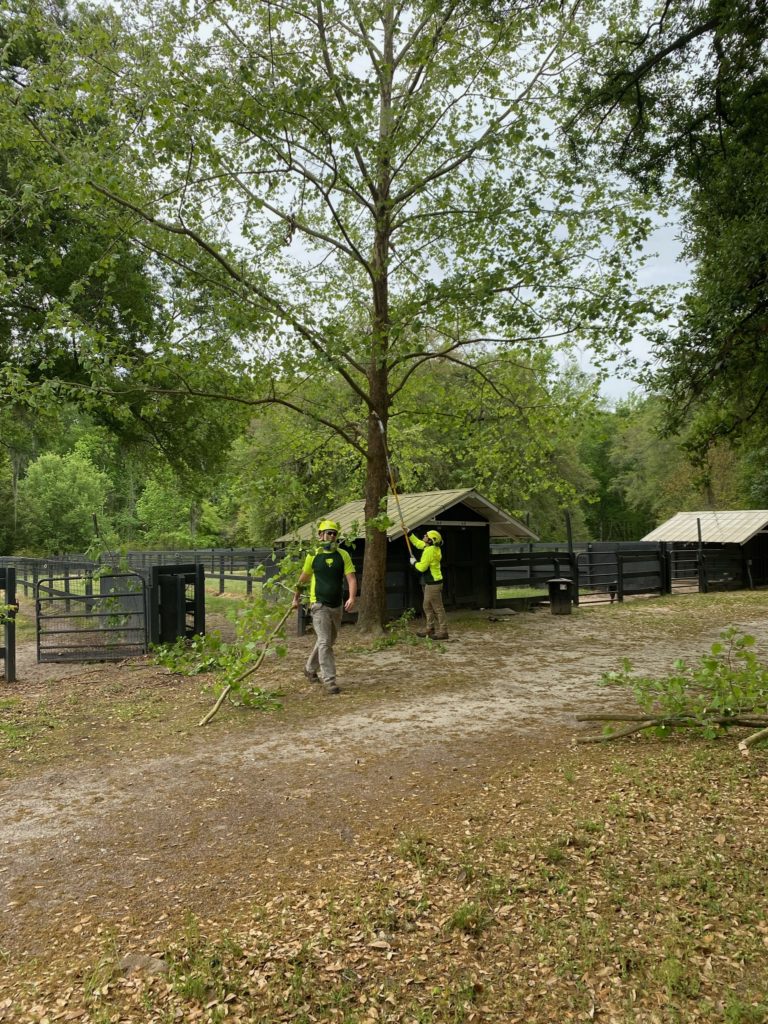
(373, 594)
(373, 600)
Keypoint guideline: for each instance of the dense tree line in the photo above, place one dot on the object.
(244, 247)
(607, 467)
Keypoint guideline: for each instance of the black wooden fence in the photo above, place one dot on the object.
(617, 570)
(221, 564)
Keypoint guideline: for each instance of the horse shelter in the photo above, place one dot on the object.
(716, 549)
(466, 520)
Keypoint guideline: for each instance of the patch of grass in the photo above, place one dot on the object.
(20, 725)
(739, 1012)
(470, 918)
(227, 606)
(143, 709)
(415, 848)
(502, 592)
(26, 629)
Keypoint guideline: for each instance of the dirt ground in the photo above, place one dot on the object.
(121, 815)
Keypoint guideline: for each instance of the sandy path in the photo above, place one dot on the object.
(154, 837)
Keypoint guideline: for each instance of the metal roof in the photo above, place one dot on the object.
(419, 509)
(735, 526)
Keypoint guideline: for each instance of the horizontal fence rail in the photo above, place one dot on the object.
(91, 618)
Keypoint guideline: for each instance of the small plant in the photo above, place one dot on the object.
(728, 681)
(470, 918)
(739, 1012)
(398, 631)
(414, 848)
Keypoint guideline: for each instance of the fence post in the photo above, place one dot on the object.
(199, 621)
(619, 576)
(9, 627)
(575, 573)
(665, 559)
(703, 574)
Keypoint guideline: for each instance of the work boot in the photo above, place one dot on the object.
(425, 632)
(312, 677)
(332, 688)
(439, 636)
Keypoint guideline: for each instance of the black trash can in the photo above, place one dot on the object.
(560, 595)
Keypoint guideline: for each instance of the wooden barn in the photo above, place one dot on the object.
(466, 520)
(732, 544)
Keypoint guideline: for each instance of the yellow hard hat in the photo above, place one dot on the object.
(328, 524)
(434, 536)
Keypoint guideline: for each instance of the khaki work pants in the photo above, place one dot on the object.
(434, 612)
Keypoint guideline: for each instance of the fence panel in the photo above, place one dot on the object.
(528, 569)
(90, 618)
(684, 571)
(611, 575)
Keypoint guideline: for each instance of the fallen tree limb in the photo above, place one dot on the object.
(724, 720)
(605, 737)
(249, 671)
(641, 722)
(750, 740)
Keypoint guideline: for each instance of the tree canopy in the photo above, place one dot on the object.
(677, 97)
(360, 187)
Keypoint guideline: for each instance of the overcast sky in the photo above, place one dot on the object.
(664, 267)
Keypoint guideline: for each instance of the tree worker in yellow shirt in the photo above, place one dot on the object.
(431, 578)
(325, 570)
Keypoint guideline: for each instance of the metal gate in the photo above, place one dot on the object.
(91, 618)
(605, 575)
(684, 571)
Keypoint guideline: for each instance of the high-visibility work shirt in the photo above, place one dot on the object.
(328, 570)
(429, 564)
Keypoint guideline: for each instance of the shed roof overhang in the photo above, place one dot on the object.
(734, 526)
(419, 509)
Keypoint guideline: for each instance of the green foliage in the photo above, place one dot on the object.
(397, 631)
(58, 498)
(471, 919)
(727, 682)
(194, 655)
(255, 637)
(259, 633)
(86, 319)
(679, 101)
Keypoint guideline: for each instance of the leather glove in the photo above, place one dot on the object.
(412, 560)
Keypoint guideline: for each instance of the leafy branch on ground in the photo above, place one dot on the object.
(255, 637)
(727, 688)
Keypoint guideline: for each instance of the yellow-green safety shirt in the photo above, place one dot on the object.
(429, 563)
(328, 569)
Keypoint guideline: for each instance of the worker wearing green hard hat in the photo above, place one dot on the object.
(325, 570)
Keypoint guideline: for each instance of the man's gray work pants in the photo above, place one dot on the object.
(326, 623)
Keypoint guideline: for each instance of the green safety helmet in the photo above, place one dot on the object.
(328, 524)
(434, 536)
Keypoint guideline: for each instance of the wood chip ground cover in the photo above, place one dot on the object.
(430, 847)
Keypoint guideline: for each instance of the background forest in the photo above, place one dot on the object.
(188, 354)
